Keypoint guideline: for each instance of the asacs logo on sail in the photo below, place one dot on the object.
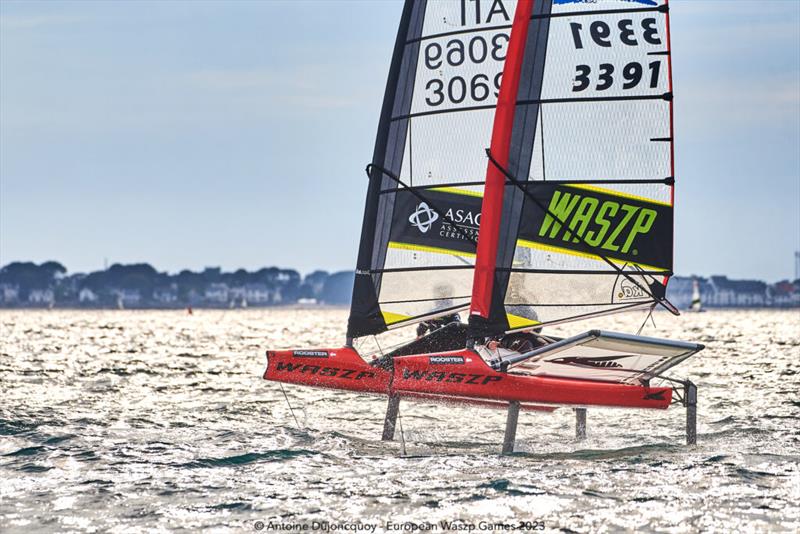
(424, 216)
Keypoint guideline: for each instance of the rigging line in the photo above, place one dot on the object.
(375, 338)
(592, 272)
(541, 107)
(428, 316)
(533, 183)
(662, 8)
(289, 404)
(613, 265)
(423, 199)
(589, 315)
(649, 315)
(567, 305)
(585, 12)
(402, 434)
(643, 272)
(541, 117)
(413, 269)
(567, 100)
(410, 155)
(421, 300)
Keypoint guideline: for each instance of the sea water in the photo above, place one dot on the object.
(133, 421)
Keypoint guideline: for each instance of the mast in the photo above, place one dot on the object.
(491, 211)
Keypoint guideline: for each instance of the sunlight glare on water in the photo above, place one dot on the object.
(141, 420)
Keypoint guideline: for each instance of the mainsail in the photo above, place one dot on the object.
(420, 227)
(584, 185)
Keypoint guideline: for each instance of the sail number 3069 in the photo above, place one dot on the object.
(455, 53)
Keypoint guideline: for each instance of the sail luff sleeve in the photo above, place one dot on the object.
(365, 317)
(491, 210)
(671, 127)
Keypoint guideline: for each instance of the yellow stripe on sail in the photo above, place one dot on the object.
(424, 248)
(515, 321)
(392, 318)
(457, 191)
(550, 248)
(616, 193)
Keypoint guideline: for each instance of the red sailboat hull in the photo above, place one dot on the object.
(454, 377)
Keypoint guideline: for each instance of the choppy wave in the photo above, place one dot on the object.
(160, 420)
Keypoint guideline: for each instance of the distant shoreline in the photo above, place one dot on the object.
(342, 307)
(25, 285)
(179, 308)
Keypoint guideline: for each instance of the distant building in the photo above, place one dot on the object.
(127, 297)
(722, 292)
(257, 294)
(9, 294)
(744, 293)
(212, 272)
(41, 296)
(166, 295)
(316, 281)
(785, 294)
(236, 295)
(217, 293)
(87, 296)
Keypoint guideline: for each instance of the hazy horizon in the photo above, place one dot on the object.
(235, 134)
(304, 273)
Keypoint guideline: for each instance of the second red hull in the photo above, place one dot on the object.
(460, 376)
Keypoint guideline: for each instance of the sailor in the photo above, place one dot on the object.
(520, 342)
(443, 294)
(426, 327)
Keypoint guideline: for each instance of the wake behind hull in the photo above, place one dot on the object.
(454, 377)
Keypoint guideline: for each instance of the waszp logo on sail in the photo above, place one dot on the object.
(607, 224)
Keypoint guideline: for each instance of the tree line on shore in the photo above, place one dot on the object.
(140, 285)
(26, 284)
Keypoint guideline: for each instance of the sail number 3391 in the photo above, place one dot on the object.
(606, 75)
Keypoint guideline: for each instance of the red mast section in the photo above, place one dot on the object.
(492, 209)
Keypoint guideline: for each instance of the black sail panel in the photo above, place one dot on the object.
(365, 316)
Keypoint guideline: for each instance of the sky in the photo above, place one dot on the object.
(198, 133)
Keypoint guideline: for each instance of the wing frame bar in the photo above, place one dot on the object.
(689, 348)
